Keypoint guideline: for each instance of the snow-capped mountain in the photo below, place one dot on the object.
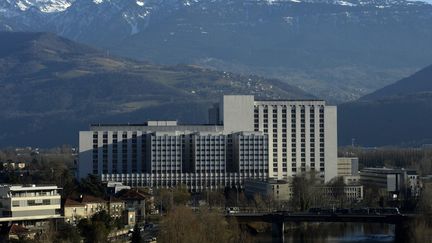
(336, 49)
(44, 6)
(67, 15)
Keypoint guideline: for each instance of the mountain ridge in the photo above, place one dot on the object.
(339, 50)
(51, 88)
(399, 114)
(416, 83)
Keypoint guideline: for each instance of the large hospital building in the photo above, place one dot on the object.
(245, 139)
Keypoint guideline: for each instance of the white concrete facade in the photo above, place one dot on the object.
(237, 113)
(29, 202)
(302, 134)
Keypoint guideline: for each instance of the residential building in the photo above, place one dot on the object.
(116, 207)
(249, 139)
(84, 207)
(137, 201)
(29, 203)
(93, 205)
(74, 211)
(87, 206)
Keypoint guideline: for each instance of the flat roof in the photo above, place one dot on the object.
(268, 181)
(144, 127)
(288, 100)
(29, 187)
(388, 170)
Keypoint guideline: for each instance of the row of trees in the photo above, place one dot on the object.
(54, 166)
(307, 192)
(418, 158)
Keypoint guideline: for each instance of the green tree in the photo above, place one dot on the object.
(92, 185)
(67, 233)
(97, 229)
(104, 217)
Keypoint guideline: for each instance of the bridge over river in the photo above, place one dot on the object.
(277, 219)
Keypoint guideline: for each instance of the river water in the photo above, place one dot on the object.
(334, 233)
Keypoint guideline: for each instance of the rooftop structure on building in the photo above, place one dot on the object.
(113, 187)
(246, 139)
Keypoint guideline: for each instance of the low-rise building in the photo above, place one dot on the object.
(74, 211)
(116, 207)
(15, 232)
(138, 201)
(87, 206)
(396, 182)
(281, 190)
(29, 203)
(278, 190)
(352, 193)
(93, 205)
(351, 180)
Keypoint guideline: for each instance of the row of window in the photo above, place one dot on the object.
(35, 202)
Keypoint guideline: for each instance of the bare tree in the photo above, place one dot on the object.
(305, 192)
(181, 224)
(425, 201)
